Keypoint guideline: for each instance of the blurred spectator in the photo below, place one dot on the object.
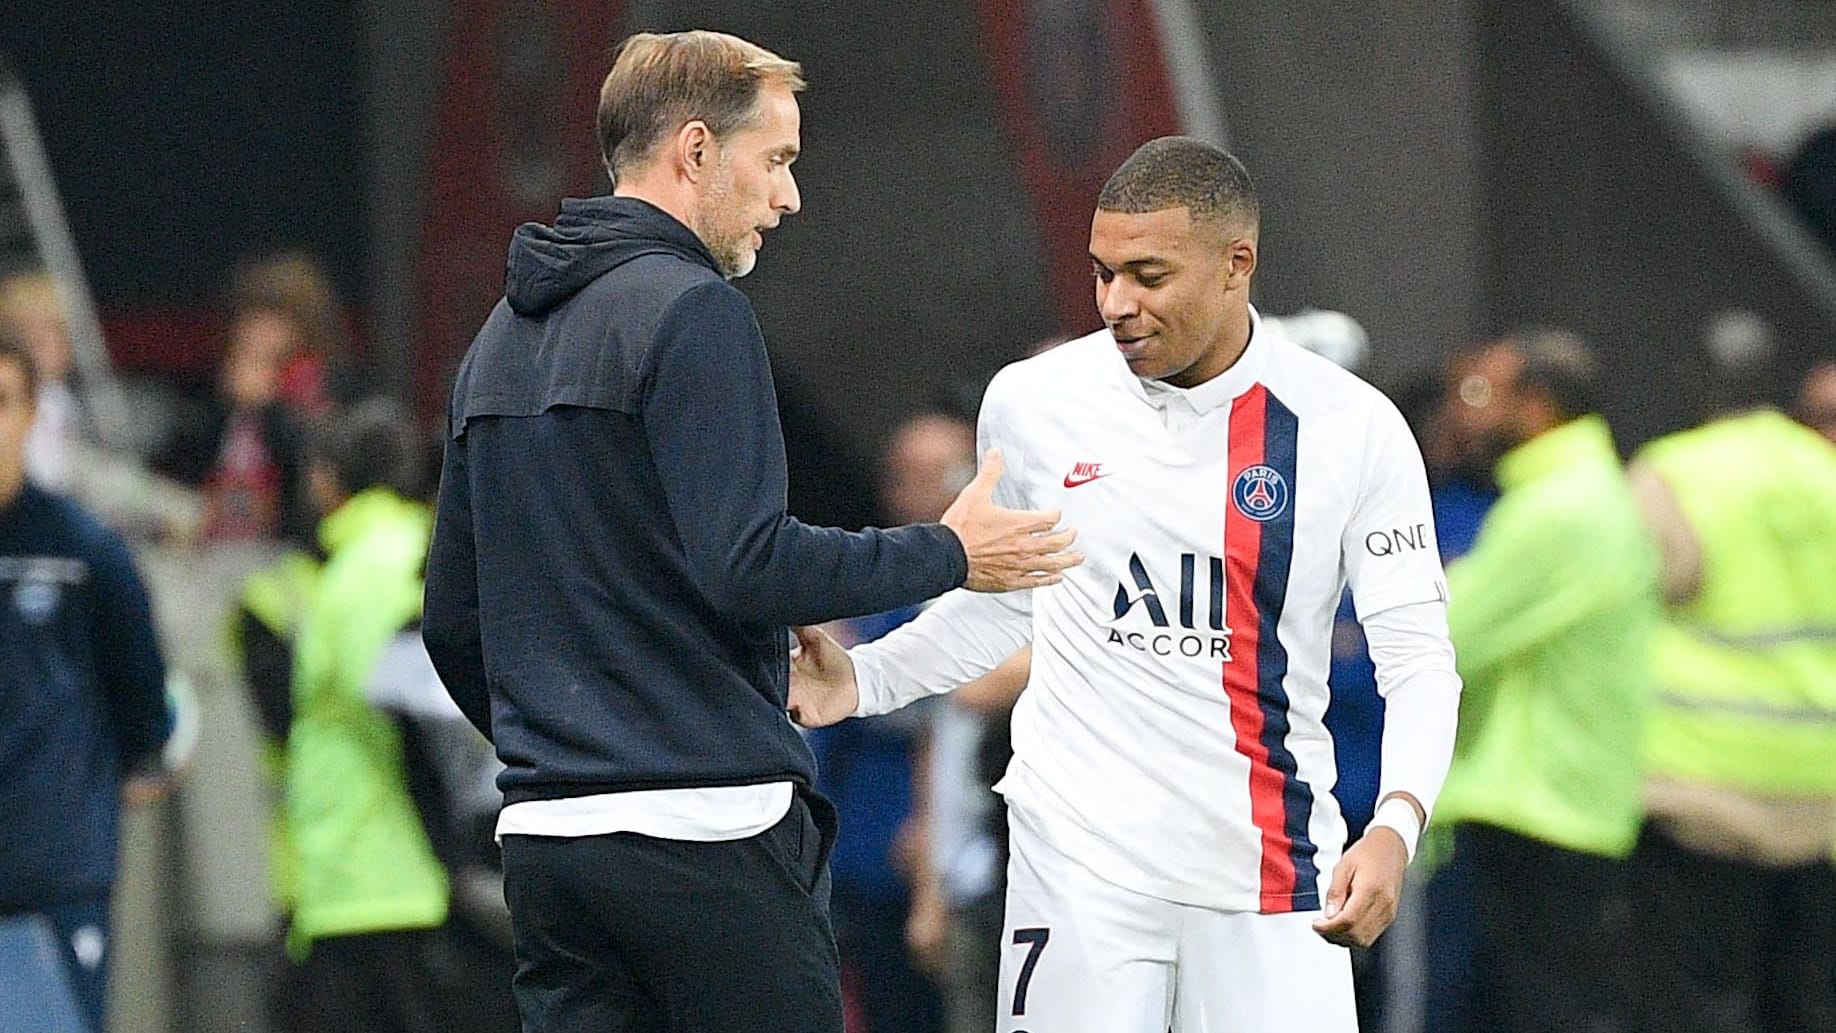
(83, 711)
(1816, 405)
(247, 455)
(381, 767)
(866, 767)
(1735, 896)
(1551, 615)
(263, 630)
(32, 313)
(296, 302)
(1458, 449)
(930, 459)
(65, 452)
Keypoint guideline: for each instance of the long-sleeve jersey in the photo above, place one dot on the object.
(1172, 734)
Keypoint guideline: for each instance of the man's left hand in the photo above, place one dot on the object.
(1365, 890)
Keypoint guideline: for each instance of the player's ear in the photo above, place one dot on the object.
(693, 149)
(1241, 255)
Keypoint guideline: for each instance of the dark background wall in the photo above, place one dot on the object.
(184, 135)
(1357, 122)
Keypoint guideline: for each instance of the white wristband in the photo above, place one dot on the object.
(1398, 815)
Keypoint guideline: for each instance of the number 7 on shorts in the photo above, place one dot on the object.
(1035, 939)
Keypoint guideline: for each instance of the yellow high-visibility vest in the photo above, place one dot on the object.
(1745, 673)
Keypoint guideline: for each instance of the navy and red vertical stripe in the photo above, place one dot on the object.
(1258, 555)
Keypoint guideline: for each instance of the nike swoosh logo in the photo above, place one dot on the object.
(1072, 481)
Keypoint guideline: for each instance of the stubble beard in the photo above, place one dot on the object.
(732, 253)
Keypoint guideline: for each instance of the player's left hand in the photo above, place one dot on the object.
(1365, 890)
(822, 685)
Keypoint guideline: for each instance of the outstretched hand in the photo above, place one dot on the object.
(1008, 549)
(822, 685)
(1366, 887)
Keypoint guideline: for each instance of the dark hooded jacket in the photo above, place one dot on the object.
(612, 568)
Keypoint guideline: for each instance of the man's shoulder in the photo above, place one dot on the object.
(655, 282)
(591, 351)
(640, 301)
(60, 525)
(634, 295)
(61, 540)
(1580, 505)
(1307, 380)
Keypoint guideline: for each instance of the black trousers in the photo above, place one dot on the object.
(1552, 935)
(1731, 947)
(630, 934)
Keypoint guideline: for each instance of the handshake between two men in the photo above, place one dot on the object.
(1007, 550)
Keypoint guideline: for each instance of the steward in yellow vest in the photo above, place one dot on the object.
(1551, 614)
(1737, 899)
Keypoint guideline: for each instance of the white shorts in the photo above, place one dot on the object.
(1082, 955)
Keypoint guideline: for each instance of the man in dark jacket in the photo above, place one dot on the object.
(613, 571)
(83, 719)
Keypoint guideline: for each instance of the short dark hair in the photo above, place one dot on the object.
(14, 351)
(1560, 365)
(1183, 172)
(374, 444)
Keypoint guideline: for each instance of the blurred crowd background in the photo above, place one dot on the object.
(246, 245)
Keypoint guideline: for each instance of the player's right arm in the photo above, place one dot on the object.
(960, 638)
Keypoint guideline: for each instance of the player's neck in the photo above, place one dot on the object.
(1226, 352)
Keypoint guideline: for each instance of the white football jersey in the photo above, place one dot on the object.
(1172, 736)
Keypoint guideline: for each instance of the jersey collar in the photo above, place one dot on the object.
(1240, 377)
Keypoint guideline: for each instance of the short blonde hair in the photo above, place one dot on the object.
(660, 81)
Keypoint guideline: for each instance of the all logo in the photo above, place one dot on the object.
(1260, 493)
(1196, 629)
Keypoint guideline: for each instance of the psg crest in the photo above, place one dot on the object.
(1260, 493)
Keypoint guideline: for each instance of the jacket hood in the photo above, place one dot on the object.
(591, 237)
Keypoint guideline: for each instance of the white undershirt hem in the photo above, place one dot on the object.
(712, 814)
